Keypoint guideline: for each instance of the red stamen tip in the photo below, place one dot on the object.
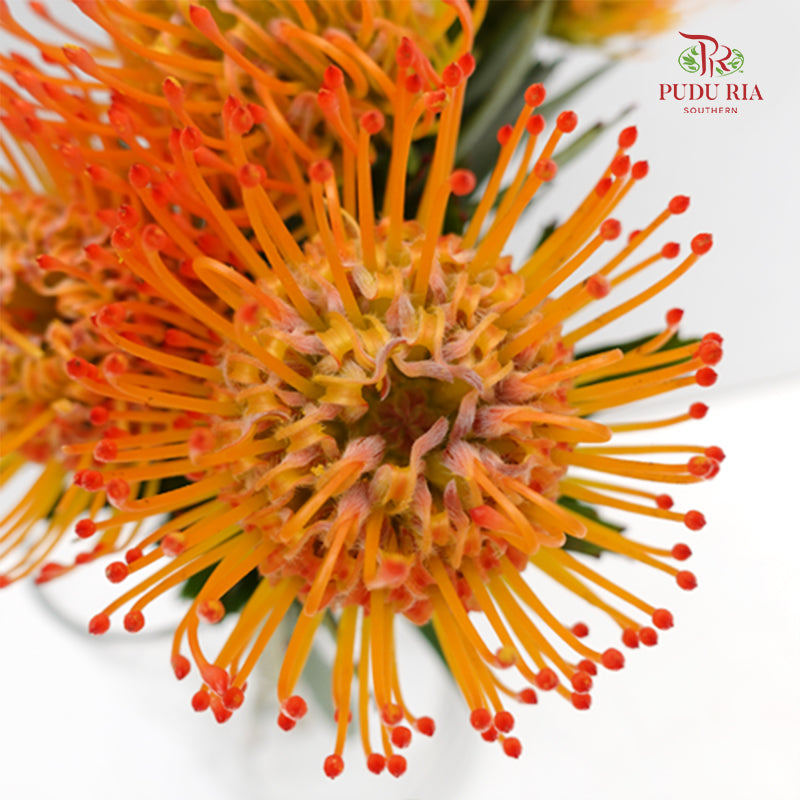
(139, 176)
(546, 679)
(686, 580)
(598, 286)
(372, 122)
(581, 701)
(694, 520)
(717, 453)
(105, 450)
(545, 169)
(612, 659)
(678, 204)
(664, 502)
(320, 171)
(705, 377)
(285, 723)
(462, 182)
(134, 621)
(467, 64)
(580, 629)
(173, 544)
(452, 75)
(134, 554)
(534, 95)
(663, 619)
(504, 134)
(602, 187)
(85, 528)
(567, 121)
(587, 665)
(480, 719)
(535, 124)
(99, 624)
(117, 491)
(490, 734)
(332, 77)
(504, 721)
(426, 726)
(648, 637)
(702, 243)
(581, 681)
(698, 410)
(201, 700)
(180, 666)
(627, 137)
(639, 170)
(202, 20)
(681, 552)
(295, 707)
(512, 747)
(528, 696)
(396, 765)
(392, 714)
(620, 166)
(401, 736)
(630, 638)
(211, 611)
(670, 250)
(191, 138)
(251, 175)
(610, 229)
(117, 571)
(404, 54)
(233, 698)
(376, 762)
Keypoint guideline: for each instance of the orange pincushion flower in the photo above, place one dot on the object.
(385, 421)
(591, 21)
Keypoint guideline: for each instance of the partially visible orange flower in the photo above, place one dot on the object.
(384, 422)
(592, 21)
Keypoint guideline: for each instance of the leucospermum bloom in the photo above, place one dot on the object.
(385, 422)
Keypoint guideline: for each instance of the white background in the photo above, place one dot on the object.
(713, 710)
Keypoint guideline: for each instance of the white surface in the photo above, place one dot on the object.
(713, 710)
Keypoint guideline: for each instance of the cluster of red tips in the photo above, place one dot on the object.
(694, 520)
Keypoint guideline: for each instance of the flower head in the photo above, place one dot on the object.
(384, 422)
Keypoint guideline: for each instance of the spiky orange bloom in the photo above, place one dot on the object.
(174, 63)
(592, 21)
(382, 423)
